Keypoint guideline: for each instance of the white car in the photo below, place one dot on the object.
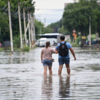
(41, 42)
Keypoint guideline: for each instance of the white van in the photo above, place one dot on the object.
(37, 43)
(42, 41)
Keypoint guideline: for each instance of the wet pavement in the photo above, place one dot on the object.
(21, 77)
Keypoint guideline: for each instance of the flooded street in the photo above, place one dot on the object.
(21, 77)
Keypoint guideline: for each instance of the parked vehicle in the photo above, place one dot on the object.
(37, 43)
(41, 42)
(52, 41)
(93, 42)
(51, 35)
(99, 40)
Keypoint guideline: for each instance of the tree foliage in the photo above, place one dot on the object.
(55, 26)
(27, 5)
(4, 26)
(39, 27)
(64, 31)
(76, 16)
(48, 30)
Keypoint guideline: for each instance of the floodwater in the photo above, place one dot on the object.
(21, 77)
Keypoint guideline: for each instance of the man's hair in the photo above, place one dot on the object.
(62, 38)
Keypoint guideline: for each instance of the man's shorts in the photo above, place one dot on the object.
(63, 60)
(47, 62)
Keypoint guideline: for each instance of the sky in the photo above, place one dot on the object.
(49, 11)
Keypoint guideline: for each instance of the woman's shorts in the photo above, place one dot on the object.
(47, 62)
(63, 60)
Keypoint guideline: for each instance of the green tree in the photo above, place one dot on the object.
(4, 26)
(48, 30)
(55, 26)
(76, 16)
(28, 5)
(39, 28)
(63, 31)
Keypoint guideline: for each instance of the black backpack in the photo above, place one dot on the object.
(63, 50)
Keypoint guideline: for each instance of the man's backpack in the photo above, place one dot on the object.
(63, 50)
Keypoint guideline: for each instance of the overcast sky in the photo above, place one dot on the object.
(49, 11)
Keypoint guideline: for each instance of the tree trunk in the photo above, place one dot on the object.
(10, 26)
(20, 27)
(24, 27)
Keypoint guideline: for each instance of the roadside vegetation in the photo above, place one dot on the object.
(26, 49)
(1, 49)
(75, 16)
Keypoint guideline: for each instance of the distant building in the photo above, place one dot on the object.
(98, 3)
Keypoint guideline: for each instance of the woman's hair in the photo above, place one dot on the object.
(47, 44)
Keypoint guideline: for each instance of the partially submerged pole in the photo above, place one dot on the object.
(90, 31)
(24, 27)
(10, 26)
(21, 42)
(29, 30)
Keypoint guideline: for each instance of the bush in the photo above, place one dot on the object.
(16, 41)
(78, 39)
(75, 44)
(1, 49)
(26, 49)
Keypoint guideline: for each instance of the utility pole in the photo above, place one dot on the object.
(24, 27)
(10, 26)
(90, 31)
(21, 42)
(44, 22)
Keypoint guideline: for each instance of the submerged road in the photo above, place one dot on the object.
(21, 77)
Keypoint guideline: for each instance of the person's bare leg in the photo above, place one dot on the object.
(45, 70)
(68, 69)
(50, 70)
(60, 69)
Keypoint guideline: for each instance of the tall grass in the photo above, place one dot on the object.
(1, 49)
(26, 49)
(75, 44)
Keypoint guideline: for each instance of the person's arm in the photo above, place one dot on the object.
(72, 51)
(41, 56)
(56, 51)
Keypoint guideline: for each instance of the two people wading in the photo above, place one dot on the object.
(62, 49)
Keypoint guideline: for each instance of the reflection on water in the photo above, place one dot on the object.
(11, 59)
(64, 87)
(17, 57)
(21, 77)
(47, 87)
